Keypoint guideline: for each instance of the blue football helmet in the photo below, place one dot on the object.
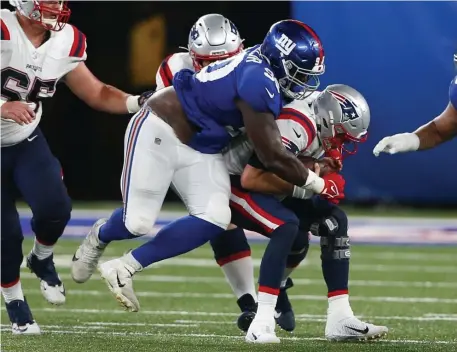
(296, 57)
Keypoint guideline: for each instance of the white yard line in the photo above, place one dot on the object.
(297, 282)
(230, 296)
(62, 330)
(64, 261)
(301, 317)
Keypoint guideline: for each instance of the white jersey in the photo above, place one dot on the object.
(31, 74)
(170, 66)
(297, 126)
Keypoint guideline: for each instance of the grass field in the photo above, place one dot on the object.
(186, 305)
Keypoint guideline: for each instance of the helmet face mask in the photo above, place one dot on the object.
(213, 37)
(342, 117)
(52, 15)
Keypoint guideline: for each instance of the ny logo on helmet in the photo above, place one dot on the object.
(348, 108)
(285, 45)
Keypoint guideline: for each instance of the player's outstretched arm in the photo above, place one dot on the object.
(430, 135)
(263, 131)
(98, 95)
(439, 130)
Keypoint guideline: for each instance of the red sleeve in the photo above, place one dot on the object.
(78, 47)
(5, 33)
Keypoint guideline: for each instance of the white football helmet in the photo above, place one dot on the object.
(213, 37)
(53, 15)
(342, 118)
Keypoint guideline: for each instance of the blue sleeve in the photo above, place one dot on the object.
(453, 93)
(258, 90)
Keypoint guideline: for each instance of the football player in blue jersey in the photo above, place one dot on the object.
(178, 137)
(441, 129)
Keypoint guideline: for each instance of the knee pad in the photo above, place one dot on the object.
(230, 245)
(217, 211)
(333, 233)
(139, 225)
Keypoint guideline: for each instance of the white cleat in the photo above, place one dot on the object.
(53, 294)
(86, 257)
(118, 275)
(352, 329)
(262, 331)
(27, 329)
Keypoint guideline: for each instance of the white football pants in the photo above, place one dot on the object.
(154, 158)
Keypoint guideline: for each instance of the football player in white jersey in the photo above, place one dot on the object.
(38, 50)
(339, 116)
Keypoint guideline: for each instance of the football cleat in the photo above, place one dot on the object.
(352, 329)
(86, 257)
(248, 308)
(21, 318)
(284, 315)
(118, 277)
(262, 331)
(51, 286)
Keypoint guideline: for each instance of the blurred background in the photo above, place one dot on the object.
(398, 54)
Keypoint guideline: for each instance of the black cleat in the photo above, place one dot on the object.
(248, 308)
(21, 318)
(44, 269)
(284, 314)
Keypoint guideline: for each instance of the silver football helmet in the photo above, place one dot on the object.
(51, 15)
(213, 37)
(342, 118)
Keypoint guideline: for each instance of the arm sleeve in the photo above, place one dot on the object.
(453, 93)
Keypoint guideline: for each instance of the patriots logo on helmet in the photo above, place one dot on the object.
(233, 28)
(348, 108)
(194, 33)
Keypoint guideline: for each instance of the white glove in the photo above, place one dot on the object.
(399, 143)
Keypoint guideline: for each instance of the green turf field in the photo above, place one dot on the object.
(187, 306)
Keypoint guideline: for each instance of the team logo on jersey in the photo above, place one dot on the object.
(33, 67)
(285, 45)
(194, 33)
(348, 108)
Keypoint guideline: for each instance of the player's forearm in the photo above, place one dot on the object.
(111, 100)
(439, 130)
(287, 167)
(264, 182)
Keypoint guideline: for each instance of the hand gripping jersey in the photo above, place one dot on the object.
(208, 97)
(297, 126)
(31, 74)
(453, 93)
(170, 66)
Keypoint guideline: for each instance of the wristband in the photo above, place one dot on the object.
(132, 103)
(314, 183)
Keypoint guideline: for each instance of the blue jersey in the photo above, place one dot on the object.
(208, 97)
(453, 93)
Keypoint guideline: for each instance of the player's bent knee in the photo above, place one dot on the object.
(139, 225)
(301, 244)
(217, 211)
(333, 231)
